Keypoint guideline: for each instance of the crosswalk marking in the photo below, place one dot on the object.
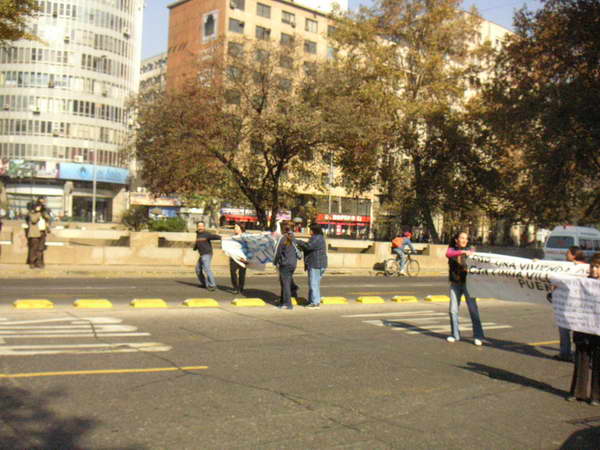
(420, 322)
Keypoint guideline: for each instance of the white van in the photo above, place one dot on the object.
(563, 237)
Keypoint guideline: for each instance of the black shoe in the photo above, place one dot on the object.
(202, 286)
(211, 288)
(313, 306)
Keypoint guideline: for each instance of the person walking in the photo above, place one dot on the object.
(38, 225)
(457, 271)
(315, 263)
(399, 244)
(237, 271)
(286, 259)
(585, 383)
(204, 247)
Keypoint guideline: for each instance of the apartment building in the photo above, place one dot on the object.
(63, 118)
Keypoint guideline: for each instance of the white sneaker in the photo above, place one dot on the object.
(451, 339)
(478, 342)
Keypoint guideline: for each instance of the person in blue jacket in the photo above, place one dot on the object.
(286, 260)
(315, 263)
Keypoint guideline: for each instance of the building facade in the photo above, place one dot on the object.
(63, 117)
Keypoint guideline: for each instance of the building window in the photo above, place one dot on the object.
(261, 55)
(289, 18)
(287, 40)
(237, 4)
(331, 30)
(331, 52)
(209, 26)
(234, 73)
(263, 33)
(311, 25)
(287, 62)
(310, 68)
(310, 47)
(235, 49)
(263, 10)
(236, 26)
(285, 84)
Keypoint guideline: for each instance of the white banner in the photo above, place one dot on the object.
(576, 303)
(512, 278)
(256, 249)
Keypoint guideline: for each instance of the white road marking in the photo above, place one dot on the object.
(447, 329)
(411, 313)
(128, 347)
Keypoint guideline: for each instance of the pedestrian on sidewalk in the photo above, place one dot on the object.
(576, 256)
(457, 253)
(585, 383)
(315, 263)
(237, 271)
(38, 226)
(286, 259)
(204, 247)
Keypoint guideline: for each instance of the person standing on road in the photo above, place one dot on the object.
(576, 256)
(38, 225)
(399, 243)
(315, 263)
(204, 247)
(286, 259)
(236, 270)
(585, 384)
(457, 270)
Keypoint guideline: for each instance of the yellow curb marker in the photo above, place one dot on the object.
(148, 303)
(248, 302)
(92, 303)
(99, 372)
(201, 303)
(536, 344)
(437, 298)
(299, 300)
(33, 304)
(333, 300)
(370, 299)
(405, 299)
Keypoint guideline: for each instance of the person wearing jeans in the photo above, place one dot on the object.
(457, 272)
(315, 263)
(204, 247)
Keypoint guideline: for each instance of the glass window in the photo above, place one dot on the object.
(311, 25)
(331, 53)
(261, 55)
(285, 84)
(287, 39)
(289, 18)
(233, 97)
(235, 49)
(209, 27)
(560, 242)
(236, 26)
(331, 30)
(263, 10)
(238, 4)
(262, 33)
(286, 62)
(310, 47)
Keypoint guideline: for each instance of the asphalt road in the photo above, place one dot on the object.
(345, 376)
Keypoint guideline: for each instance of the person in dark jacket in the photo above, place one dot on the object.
(237, 271)
(457, 271)
(286, 260)
(315, 263)
(585, 384)
(204, 247)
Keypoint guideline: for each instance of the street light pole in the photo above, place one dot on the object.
(94, 190)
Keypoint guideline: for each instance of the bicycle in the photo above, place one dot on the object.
(391, 266)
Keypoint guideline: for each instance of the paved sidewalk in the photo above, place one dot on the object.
(133, 271)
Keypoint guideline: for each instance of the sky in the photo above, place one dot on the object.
(156, 18)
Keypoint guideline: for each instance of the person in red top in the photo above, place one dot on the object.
(399, 243)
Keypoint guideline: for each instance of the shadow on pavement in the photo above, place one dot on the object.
(28, 422)
(269, 297)
(586, 439)
(511, 377)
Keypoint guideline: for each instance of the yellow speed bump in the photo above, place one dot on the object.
(92, 303)
(33, 304)
(201, 303)
(333, 300)
(370, 299)
(437, 298)
(148, 303)
(248, 302)
(405, 299)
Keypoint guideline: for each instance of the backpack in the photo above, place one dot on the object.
(397, 242)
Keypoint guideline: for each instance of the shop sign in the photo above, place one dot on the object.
(85, 172)
(342, 218)
(20, 168)
(145, 199)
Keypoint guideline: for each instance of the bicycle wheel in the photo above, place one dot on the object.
(413, 268)
(390, 267)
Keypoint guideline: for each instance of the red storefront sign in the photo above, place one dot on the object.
(343, 219)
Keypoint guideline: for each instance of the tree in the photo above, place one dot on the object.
(246, 127)
(14, 15)
(405, 67)
(542, 112)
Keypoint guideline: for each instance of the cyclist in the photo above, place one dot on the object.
(399, 243)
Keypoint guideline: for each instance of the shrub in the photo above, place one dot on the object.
(175, 224)
(135, 218)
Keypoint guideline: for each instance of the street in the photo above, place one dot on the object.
(345, 376)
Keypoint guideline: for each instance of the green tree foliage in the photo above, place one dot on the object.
(245, 130)
(399, 95)
(14, 15)
(136, 218)
(173, 224)
(543, 114)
